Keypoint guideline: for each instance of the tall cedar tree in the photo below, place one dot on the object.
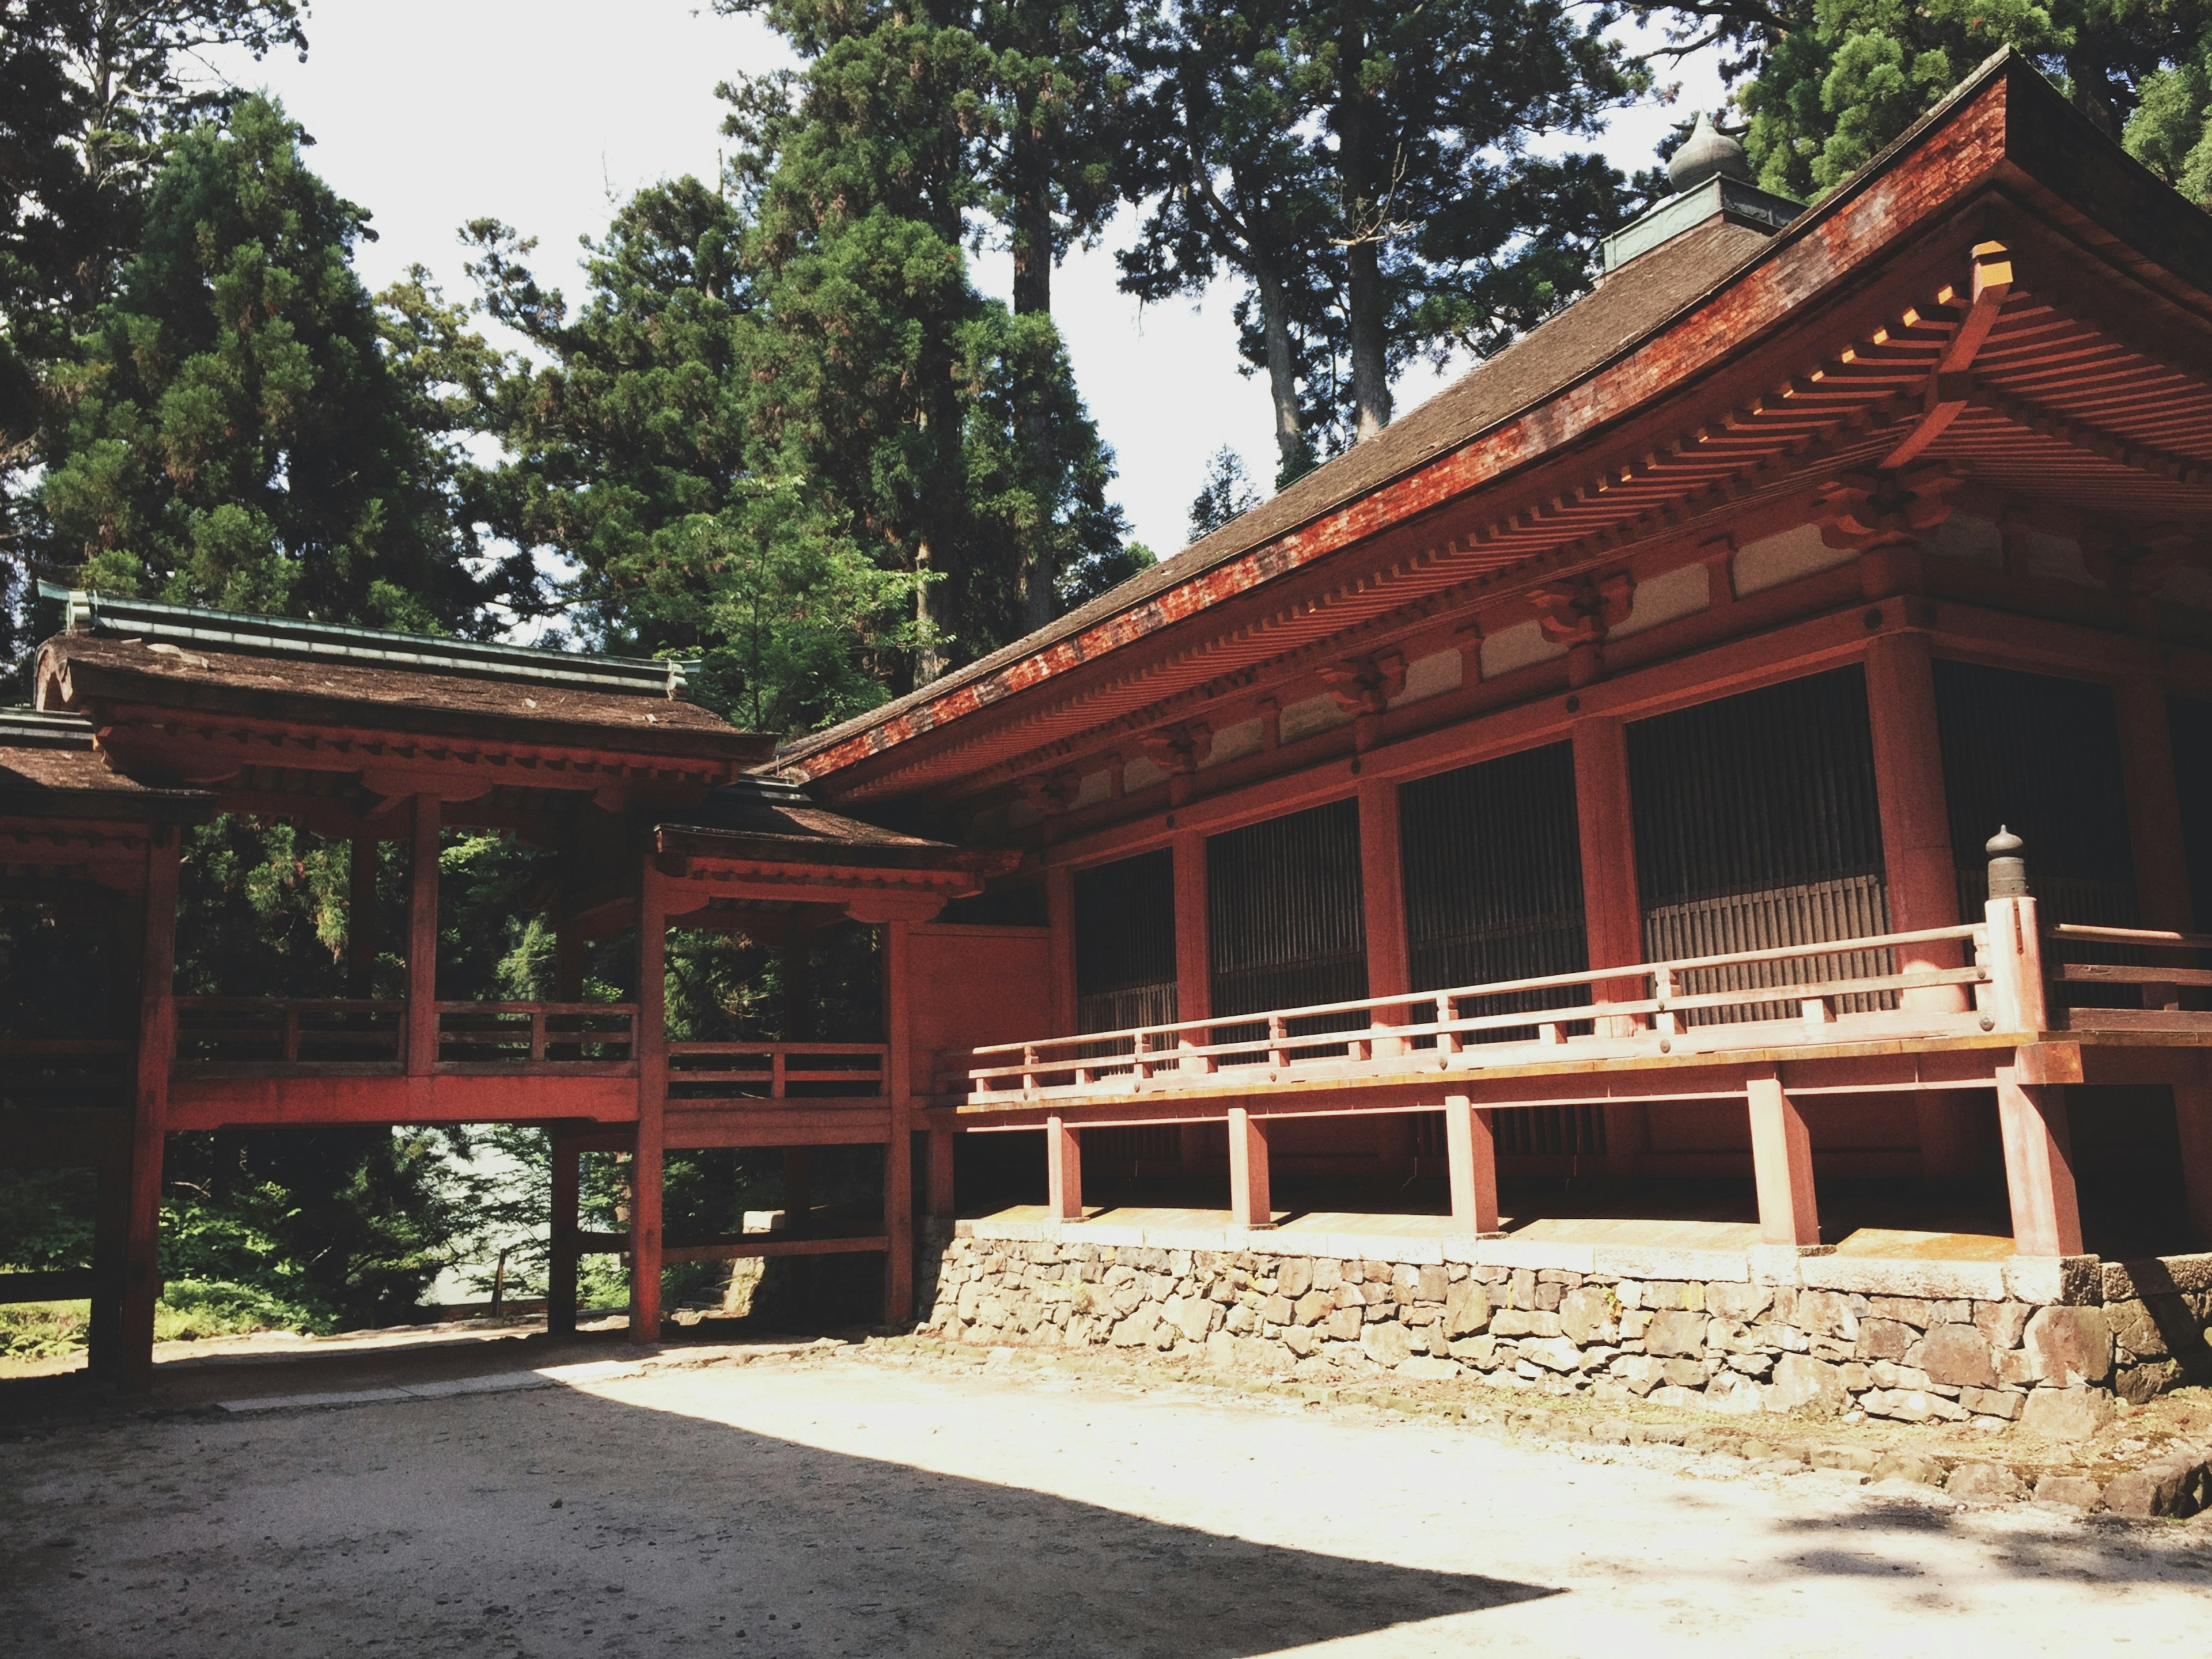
(632, 459)
(1828, 84)
(232, 430)
(933, 427)
(1367, 169)
(89, 90)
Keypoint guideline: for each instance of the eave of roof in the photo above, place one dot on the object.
(49, 769)
(1349, 499)
(79, 671)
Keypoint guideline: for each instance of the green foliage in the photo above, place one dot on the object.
(1227, 495)
(1830, 82)
(232, 430)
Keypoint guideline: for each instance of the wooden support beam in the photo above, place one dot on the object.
(422, 939)
(1063, 1169)
(2192, 1117)
(560, 1269)
(898, 1152)
(1059, 919)
(1194, 951)
(1471, 1152)
(2154, 804)
(1613, 906)
(941, 1191)
(1382, 900)
(645, 1229)
(360, 916)
(1250, 1204)
(157, 1041)
(2046, 1217)
(1782, 1166)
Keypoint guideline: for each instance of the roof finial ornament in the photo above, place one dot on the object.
(1706, 153)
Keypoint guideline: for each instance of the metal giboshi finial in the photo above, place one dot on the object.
(2008, 869)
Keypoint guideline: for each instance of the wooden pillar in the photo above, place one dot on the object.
(1193, 968)
(361, 917)
(157, 1041)
(942, 1201)
(645, 1178)
(111, 1234)
(422, 939)
(1782, 1166)
(1919, 875)
(1613, 905)
(2046, 1218)
(898, 1153)
(1471, 1152)
(561, 1270)
(2192, 1116)
(1383, 902)
(1250, 1204)
(2154, 804)
(1059, 919)
(1063, 1169)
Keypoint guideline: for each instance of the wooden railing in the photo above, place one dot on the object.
(310, 1034)
(776, 1071)
(289, 1031)
(2155, 985)
(503, 1035)
(1624, 1012)
(64, 1071)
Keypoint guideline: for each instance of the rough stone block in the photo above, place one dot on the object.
(2003, 1322)
(1993, 1402)
(2140, 1384)
(1311, 1308)
(2065, 1345)
(1426, 1368)
(1466, 1309)
(1136, 1331)
(1675, 1333)
(2134, 1330)
(1984, 1483)
(1904, 1310)
(1301, 1341)
(2068, 1492)
(1740, 1302)
(1328, 1273)
(1683, 1373)
(1432, 1283)
(2073, 1279)
(1342, 1325)
(1193, 1317)
(1884, 1339)
(1958, 1355)
(1553, 1353)
(1805, 1384)
(1912, 1465)
(1911, 1406)
(1734, 1395)
(1386, 1343)
(1826, 1313)
(2066, 1413)
(1586, 1315)
(1295, 1278)
(1513, 1322)
(1478, 1351)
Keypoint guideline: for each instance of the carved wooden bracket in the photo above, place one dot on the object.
(1583, 612)
(1858, 509)
(1180, 749)
(1051, 793)
(1365, 685)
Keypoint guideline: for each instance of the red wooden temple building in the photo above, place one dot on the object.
(1597, 804)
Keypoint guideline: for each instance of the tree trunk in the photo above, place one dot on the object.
(1282, 368)
(928, 609)
(1366, 222)
(1032, 227)
(1370, 371)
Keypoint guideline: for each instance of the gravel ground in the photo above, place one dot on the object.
(869, 1502)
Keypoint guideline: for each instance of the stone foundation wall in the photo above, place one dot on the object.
(2053, 1359)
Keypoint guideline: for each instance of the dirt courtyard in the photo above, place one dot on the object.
(869, 1502)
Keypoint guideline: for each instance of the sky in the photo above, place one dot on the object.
(546, 113)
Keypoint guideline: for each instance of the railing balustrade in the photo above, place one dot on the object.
(289, 1031)
(501, 1036)
(1626, 1011)
(2157, 981)
(776, 1071)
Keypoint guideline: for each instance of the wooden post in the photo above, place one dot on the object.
(1920, 877)
(644, 1179)
(1193, 950)
(1471, 1152)
(1249, 1202)
(110, 1235)
(157, 1041)
(941, 1198)
(1383, 901)
(898, 1152)
(2017, 992)
(561, 1271)
(1063, 1169)
(361, 917)
(1782, 1166)
(423, 941)
(2046, 1217)
(1613, 905)
(1060, 918)
(2192, 1116)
